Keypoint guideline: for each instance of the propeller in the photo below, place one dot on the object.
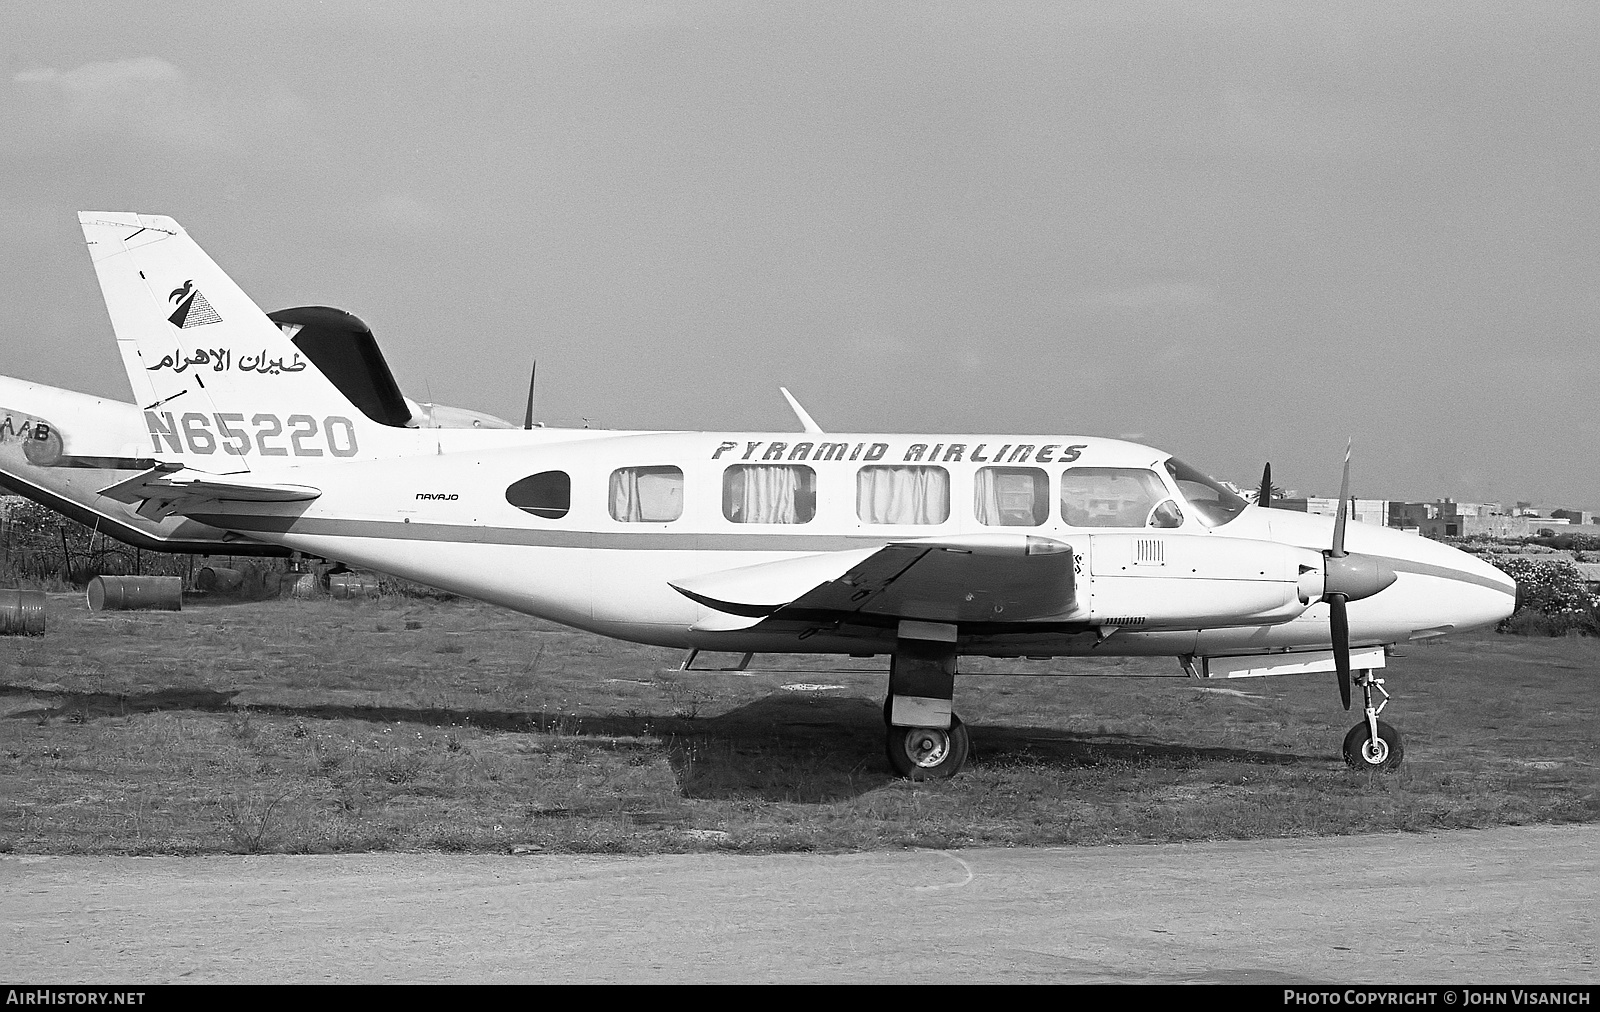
(1264, 495)
(1347, 578)
(527, 419)
(1338, 617)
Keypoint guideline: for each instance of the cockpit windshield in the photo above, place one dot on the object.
(1212, 502)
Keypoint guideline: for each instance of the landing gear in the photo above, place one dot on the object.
(1372, 744)
(924, 738)
(1365, 751)
(928, 753)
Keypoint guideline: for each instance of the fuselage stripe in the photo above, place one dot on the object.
(650, 540)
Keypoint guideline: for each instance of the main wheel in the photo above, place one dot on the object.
(1364, 752)
(928, 753)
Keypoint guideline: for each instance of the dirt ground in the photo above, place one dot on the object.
(1511, 905)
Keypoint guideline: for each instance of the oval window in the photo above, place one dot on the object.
(547, 494)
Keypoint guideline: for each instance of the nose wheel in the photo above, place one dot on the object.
(1372, 744)
(928, 753)
(1379, 751)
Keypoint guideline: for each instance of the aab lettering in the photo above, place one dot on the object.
(26, 428)
(266, 435)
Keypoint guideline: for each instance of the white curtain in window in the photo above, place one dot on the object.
(986, 498)
(903, 495)
(647, 494)
(762, 495)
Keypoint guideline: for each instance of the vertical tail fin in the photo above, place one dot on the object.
(219, 384)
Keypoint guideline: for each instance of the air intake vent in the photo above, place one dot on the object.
(1150, 552)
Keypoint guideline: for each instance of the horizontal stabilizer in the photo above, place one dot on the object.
(169, 489)
(976, 578)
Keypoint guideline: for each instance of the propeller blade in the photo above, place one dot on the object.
(1264, 496)
(1339, 620)
(527, 420)
(1344, 506)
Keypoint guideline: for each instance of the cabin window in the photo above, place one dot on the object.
(646, 494)
(903, 495)
(1111, 496)
(769, 494)
(1011, 496)
(547, 494)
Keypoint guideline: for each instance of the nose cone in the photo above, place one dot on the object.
(1499, 597)
(1438, 588)
(1468, 591)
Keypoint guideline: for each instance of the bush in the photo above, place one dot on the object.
(43, 548)
(1552, 598)
(1537, 623)
(1579, 541)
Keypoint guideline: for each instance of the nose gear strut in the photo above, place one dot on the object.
(1372, 744)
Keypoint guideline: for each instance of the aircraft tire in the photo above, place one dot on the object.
(1362, 752)
(925, 753)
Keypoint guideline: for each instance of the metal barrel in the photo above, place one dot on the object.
(302, 585)
(352, 585)
(219, 580)
(21, 613)
(136, 593)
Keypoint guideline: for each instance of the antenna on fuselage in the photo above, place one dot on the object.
(806, 421)
(533, 375)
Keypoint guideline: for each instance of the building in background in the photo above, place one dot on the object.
(1446, 518)
(1577, 516)
(1366, 511)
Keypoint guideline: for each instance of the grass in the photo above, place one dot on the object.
(407, 724)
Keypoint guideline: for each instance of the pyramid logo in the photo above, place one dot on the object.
(193, 309)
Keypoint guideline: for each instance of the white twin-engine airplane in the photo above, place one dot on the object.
(924, 548)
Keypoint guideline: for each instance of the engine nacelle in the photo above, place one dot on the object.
(1151, 580)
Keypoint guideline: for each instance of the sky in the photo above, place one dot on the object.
(1237, 232)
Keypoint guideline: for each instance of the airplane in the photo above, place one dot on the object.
(926, 548)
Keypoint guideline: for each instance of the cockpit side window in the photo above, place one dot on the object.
(1209, 499)
(1111, 496)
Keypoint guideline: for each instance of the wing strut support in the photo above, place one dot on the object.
(688, 662)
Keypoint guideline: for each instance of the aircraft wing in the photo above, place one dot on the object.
(169, 489)
(977, 578)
